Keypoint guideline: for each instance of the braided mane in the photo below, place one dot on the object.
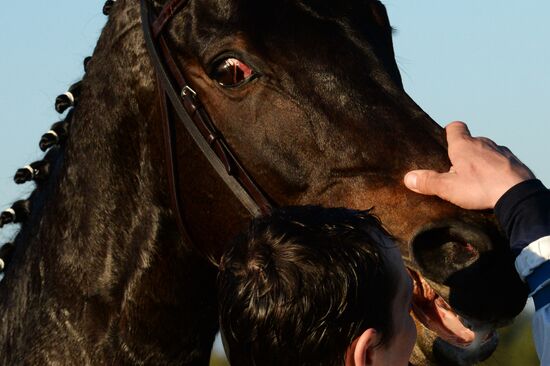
(53, 144)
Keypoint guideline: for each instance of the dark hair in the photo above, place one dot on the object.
(301, 284)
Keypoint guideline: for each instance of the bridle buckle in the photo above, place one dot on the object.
(187, 91)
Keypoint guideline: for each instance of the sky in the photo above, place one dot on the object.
(42, 46)
(483, 62)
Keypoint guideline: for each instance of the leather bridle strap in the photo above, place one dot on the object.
(191, 113)
(166, 14)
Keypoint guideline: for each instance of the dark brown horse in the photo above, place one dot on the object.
(308, 96)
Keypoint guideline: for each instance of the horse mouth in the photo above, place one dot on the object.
(436, 314)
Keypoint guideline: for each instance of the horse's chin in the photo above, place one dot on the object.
(456, 341)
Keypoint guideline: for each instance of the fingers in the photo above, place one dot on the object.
(506, 152)
(488, 142)
(428, 182)
(457, 131)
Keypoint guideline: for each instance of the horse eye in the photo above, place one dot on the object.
(232, 72)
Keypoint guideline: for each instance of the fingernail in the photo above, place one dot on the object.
(410, 180)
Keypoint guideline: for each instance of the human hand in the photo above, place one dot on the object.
(481, 171)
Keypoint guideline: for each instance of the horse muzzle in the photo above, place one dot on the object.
(465, 286)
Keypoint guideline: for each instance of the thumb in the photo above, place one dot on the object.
(427, 182)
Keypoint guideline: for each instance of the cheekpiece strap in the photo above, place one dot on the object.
(166, 14)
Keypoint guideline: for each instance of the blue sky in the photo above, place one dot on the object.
(484, 62)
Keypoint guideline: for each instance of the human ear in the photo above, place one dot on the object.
(361, 351)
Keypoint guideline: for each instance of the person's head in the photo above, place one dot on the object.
(315, 286)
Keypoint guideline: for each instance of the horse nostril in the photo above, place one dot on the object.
(444, 250)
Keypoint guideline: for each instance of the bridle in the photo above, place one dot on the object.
(176, 95)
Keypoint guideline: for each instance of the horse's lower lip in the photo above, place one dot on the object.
(436, 315)
(448, 354)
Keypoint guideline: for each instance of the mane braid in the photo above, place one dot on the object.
(86, 63)
(69, 98)
(39, 171)
(57, 134)
(108, 6)
(6, 253)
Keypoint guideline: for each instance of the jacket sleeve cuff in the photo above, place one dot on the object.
(533, 256)
(533, 266)
(524, 213)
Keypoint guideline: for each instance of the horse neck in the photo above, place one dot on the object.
(100, 272)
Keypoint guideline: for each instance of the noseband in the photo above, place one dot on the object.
(176, 95)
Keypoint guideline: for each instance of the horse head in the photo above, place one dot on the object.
(315, 108)
(308, 97)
